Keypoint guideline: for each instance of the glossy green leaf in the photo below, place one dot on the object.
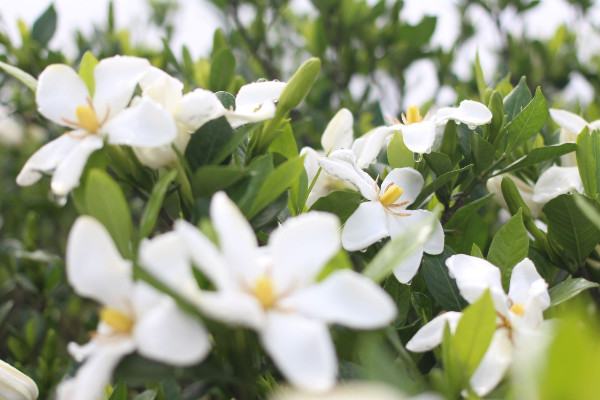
(516, 100)
(154, 204)
(119, 392)
(440, 285)
(212, 178)
(44, 27)
(226, 99)
(436, 184)
(399, 156)
(207, 142)
(528, 122)
(342, 203)
(496, 106)
(483, 152)
(222, 69)
(285, 143)
(438, 162)
(588, 161)
(537, 155)
(568, 289)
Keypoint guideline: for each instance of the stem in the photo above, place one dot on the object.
(185, 189)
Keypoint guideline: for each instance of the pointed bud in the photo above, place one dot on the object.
(299, 85)
(513, 198)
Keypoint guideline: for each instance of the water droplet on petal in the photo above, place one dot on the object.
(261, 80)
(418, 157)
(472, 127)
(363, 250)
(59, 200)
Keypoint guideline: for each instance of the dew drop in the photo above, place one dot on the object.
(472, 127)
(59, 200)
(261, 80)
(363, 250)
(418, 157)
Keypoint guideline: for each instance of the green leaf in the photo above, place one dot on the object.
(277, 182)
(229, 147)
(474, 333)
(483, 152)
(528, 122)
(588, 161)
(476, 251)
(568, 289)
(270, 212)
(86, 71)
(401, 295)
(537, 155)
(119, 392)
(245, 193)
(516, 100)
(149, 394)
(399, 156)
(436, 184)
(570, 227)
(510, 245)
(21, 75)
(399, 248)
(481, 86)
(285, 143)
(342, 203)
(438, 162)
(226, 99)
(105, 201)
(45, 26)
(5, 310)
(222, 70)
(337, 262)
(448, 145)
(212, 178)
(497, 123)
(207, 142)
(440, 285)
(152, 209)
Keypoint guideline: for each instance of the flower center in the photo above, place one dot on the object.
(264, 291)
(87, 118)
(412, 115)
(391, 195)
(118, 321)
(518, 309)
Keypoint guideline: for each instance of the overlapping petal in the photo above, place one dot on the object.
(432, 333)
(408, 179)
(419, 136)
(365, 226)
(339, 131)
(494, 364)
(556, 181)
(197, 108)
(471, 113)
(68, 171)
(342, 165)
(407, 268)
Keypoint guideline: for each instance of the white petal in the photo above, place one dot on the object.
(419, 136)
(347, 298)
(494, 364)
(46, 159)
(236, 238)
(233, 308)
(567, 120)
(435, 243)
(205, 255)
(366, 226)
(367, 147)
(68, 171)
(594, 125)
(474, 276)
(399, 224)
(432, 333)
(471, 113)
(556, 181)
(408, 179)
(162, 88)
(255, 102)
(59, 92)
(301, 247)
(165, 155)
(115, 81)
(408, 267)
(525, 190)
(302, 350)
(197, 108)
(146, 124)
(342, 165)
(15, 385)
(338, 133)
(325, 183)
(167, 259)
(166, 334)
(524, 275)
(94, 266)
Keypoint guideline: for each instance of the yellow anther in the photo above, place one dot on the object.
(518, 309)
(87, 118)
(114, 318)
(412, 115)
(264, 291)
(391, 195)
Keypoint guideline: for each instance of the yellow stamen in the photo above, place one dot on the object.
(264, 291)
(114, 318)
(391, 194)
(412, 115)
(518, 309)
(87, 118)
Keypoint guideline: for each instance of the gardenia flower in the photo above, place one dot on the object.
(493, 186)
(275, 289)
(134, 315)
(15, 385)
(519, 314)
(63, 97)
(353, 391)
(385, 212)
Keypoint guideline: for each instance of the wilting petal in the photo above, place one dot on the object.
(367, 147)
(68, 171)
(115, 81)
(15, 385)
(345, 298)
(146, 124)
(419, 136)
(471, 113)
(524, 275)
(556, 181)
(342, 165)
(366, 226)
(432, 333)
(494, 364)
(568, 121)
(164, 333)
(197, 108)
(407, 179)
(474, 276)
(338, 134)
(302, 350)
(408, 267)
(95, 269)
(302, 246)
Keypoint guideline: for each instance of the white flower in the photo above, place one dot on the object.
(12, 132)
(64, 98)
(519, 314)
(255, 102)
(384, 214)
(134, 315)
(525, 190)
(274, 289)
(353, 391)
(15, 385)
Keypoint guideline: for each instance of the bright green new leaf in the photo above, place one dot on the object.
(399, 156)
(149, 394)
(222, 70)
(86, 71)
(154, 204)
(528, 122)
(285, 143)
(588, 161)
(476, 251)
(568, 289)
(19, 74)
(497, 108)
(337, 262)
(119, 392)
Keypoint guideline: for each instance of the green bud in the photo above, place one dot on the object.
(497, 108)
(299, 85)
(513, 198)
(487, 95)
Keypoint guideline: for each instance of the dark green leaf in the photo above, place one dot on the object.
(440, 285)
(438, 162)
(146, 395)
(568, 289)
(483, 152)
(269, 213)
(226, 99)
(119, 392)
(516, 100)
(342, 203)
(152, 209)
(207, 142)
(212, 178)
(401, 295)
(528, 122)
(222, 69)
(45, 26)
(537, 155)
(436, 184)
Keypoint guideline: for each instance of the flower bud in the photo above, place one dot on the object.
(513, 198)
(299, 85)
(15, 385)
